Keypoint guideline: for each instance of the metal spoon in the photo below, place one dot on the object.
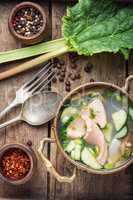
(38, 109)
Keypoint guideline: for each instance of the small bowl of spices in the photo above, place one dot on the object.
(17, 163)
(27, 22)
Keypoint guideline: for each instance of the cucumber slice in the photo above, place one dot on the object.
(131, 112)
(88, 159)
(109, 166)
(68, 113)
(107, 131)
(73, 155)
(71, 145)
(125, 103)
(122, 133)
(76, 153)
(117, 96)
(119, 119)
(93, 152)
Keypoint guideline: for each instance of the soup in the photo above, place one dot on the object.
(96, 129)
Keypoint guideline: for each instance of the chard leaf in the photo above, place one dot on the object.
(93, 26)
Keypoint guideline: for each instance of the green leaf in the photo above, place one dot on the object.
(99, 26)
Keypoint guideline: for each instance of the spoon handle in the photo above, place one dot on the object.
(13, 104)
(18, 118)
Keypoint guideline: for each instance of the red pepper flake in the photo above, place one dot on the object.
(15, 164)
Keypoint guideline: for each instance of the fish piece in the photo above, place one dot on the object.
(77, 128)
(102, 158)
(99, 114)
(114, 151)
(96, 137)
(88, 121)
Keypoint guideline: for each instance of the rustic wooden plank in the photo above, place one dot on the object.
(58, 11)
(106, 67)
(37, 187)
(4, 45)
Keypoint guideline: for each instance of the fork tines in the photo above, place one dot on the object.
(41, 79)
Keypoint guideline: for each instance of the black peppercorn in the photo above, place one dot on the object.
(54, 80)
(73, 77)
(72, 55)
(58, 66)
(29, 143)
(67, 83)
(69, 75)
(62, 62)
(56, 60)
(58, 72)
(92, 80)
(67, 88)
(73, 60)
(73, 66)
(88, 67)
(78, 76)
(63, 70)
(54, 66)
(61, 79)
(62, 74)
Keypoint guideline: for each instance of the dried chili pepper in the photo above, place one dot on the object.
(15, 164)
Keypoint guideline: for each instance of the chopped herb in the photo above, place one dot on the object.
(92, 113)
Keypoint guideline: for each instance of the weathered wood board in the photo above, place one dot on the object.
(37, 187)
(106, 67)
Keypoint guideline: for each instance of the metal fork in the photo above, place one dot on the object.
(37, 84)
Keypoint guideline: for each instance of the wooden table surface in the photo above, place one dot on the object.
(106, 67)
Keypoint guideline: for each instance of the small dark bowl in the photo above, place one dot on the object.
(33, 163)
(37, 37)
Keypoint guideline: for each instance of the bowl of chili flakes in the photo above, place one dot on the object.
(17, 163)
